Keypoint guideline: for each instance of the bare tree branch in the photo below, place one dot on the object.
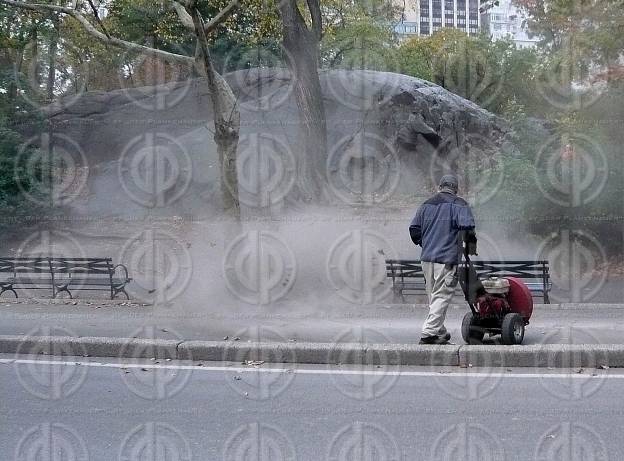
(97, 18)
(223, 99)
(185, 18)
(181, 8)
(99, 35)
(226, 115)
(221, 16)
(202, 43)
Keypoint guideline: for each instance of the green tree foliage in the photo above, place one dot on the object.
(593, 28)
(488, 73)
(416, 58)
(249, 37)
(582, 43)
(359, 35)
(580, 78)
(239, 41)
(22, 90)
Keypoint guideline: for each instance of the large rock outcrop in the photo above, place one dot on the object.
(150, 149)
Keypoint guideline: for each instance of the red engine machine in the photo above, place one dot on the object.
(498, 306)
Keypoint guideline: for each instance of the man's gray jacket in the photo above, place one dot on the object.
(436, 227)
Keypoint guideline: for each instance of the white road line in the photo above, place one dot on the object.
(265, 368)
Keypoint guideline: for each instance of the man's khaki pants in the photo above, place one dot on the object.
(440, 285)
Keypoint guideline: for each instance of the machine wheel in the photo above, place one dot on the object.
(469, 333)
(512, 329)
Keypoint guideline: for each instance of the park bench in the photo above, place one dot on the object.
(408, 278)
(60, 274)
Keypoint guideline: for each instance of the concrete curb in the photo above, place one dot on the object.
(544, 356)
(547, 355)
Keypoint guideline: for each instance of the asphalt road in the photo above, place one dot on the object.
(145, 411)
(592, 324)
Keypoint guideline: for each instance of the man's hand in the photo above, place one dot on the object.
(471, 243)
(416, 234)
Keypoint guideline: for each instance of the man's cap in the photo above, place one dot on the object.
(449, 181)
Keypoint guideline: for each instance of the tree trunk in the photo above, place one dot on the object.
(50, 81)
(226, 119)
(53, 48)
(302, 48)
(12, 90)
(227, 129)
(34, 40)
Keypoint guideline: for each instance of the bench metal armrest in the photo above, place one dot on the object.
(125, 269)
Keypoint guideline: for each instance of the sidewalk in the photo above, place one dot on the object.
(559, 336)
(398, 324)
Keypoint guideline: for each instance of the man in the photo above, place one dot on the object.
(436, 228)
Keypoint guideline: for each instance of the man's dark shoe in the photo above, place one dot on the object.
(434, 339)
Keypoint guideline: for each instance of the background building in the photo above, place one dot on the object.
(408, 25)
(507, 21)
(424, 17)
